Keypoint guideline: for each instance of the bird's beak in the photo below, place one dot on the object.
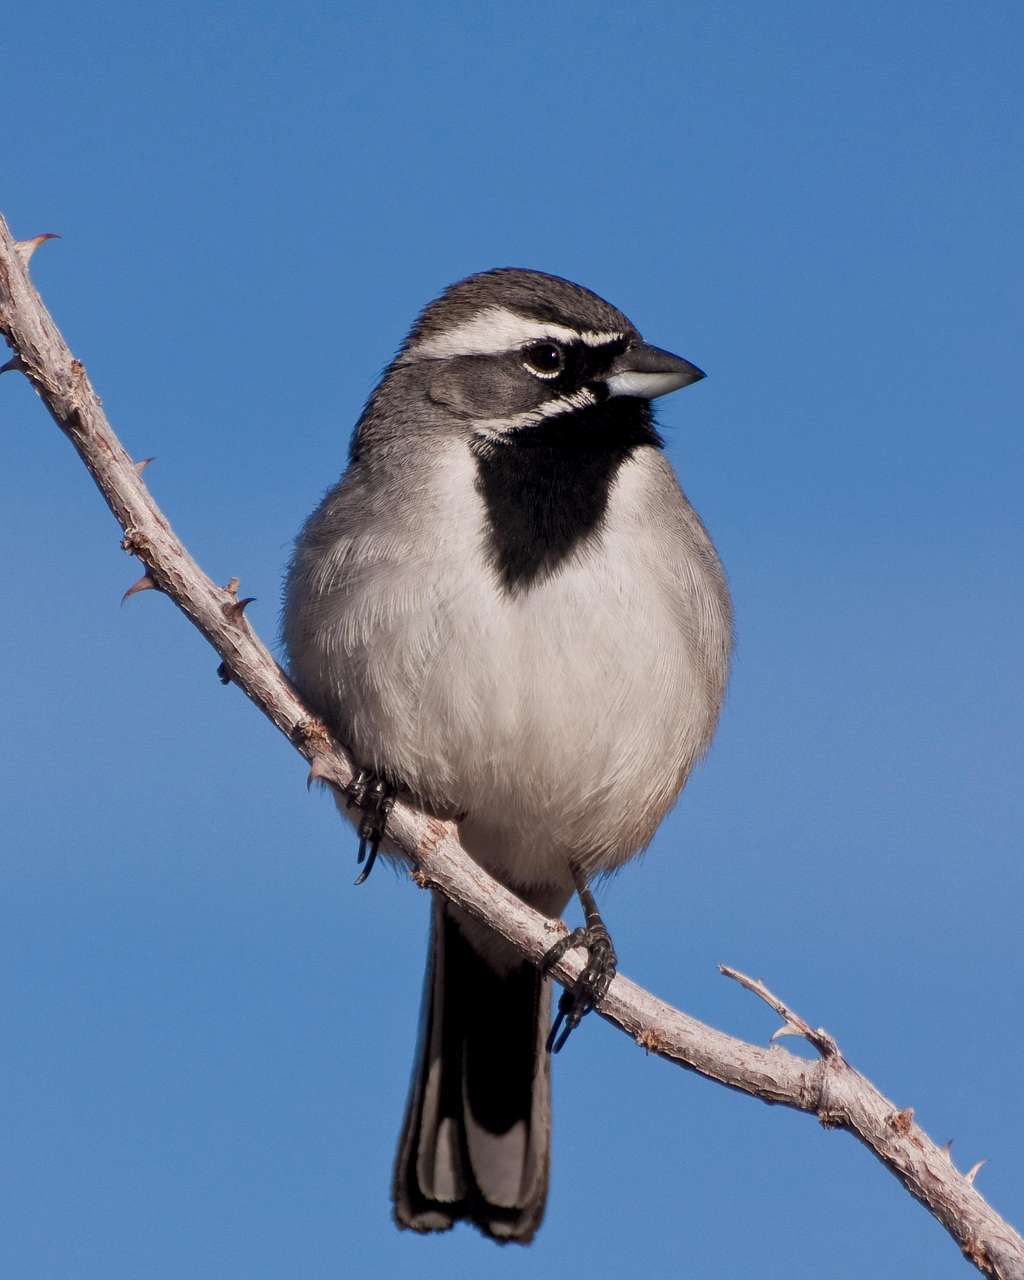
(649, 372)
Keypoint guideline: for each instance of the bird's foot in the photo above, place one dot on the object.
(375, 798)
(589, 988)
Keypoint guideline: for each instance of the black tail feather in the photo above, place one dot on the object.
(475, 1144)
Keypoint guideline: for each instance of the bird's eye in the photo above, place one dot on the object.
(545, 359)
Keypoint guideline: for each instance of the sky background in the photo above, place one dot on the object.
(207, 1031)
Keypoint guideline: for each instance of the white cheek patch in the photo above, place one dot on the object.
(495, 428)
(495, 330)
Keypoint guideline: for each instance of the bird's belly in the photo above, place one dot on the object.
(561, 723)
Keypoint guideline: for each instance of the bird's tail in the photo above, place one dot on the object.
(477, 1134)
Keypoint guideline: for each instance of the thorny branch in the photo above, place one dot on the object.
(828, 1087)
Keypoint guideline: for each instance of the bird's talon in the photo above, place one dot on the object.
(356, 789)
(589, 989)
(376, 799)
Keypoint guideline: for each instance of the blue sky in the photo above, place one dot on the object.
(208, 1031)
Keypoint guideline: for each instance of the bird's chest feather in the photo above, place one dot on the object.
(547, 491)
(457, 654)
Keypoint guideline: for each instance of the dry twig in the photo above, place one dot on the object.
(829, 1087)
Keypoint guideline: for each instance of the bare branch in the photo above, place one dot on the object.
(828, 1087)
(792, 1023)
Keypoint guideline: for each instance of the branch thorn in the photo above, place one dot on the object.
(26, 248)
(237, 608)
(787, 1029)
(14, 365)
(972, 1172)
(142, 464)
(318, 771)
(145, 583)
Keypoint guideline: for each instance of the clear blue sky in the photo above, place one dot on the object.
(207, 1030)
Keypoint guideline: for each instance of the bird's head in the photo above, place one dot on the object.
(511, 350)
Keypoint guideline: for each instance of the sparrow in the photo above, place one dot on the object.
(508, 610)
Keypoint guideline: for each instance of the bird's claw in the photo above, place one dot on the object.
(589, 989)
(376, 799)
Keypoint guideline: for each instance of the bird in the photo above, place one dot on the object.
(508, 610)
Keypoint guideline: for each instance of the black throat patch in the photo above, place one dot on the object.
(545, 487)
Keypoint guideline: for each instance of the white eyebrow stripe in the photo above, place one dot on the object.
(495, 428)
(496, 329)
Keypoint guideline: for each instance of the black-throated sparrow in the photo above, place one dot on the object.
(508, 607)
